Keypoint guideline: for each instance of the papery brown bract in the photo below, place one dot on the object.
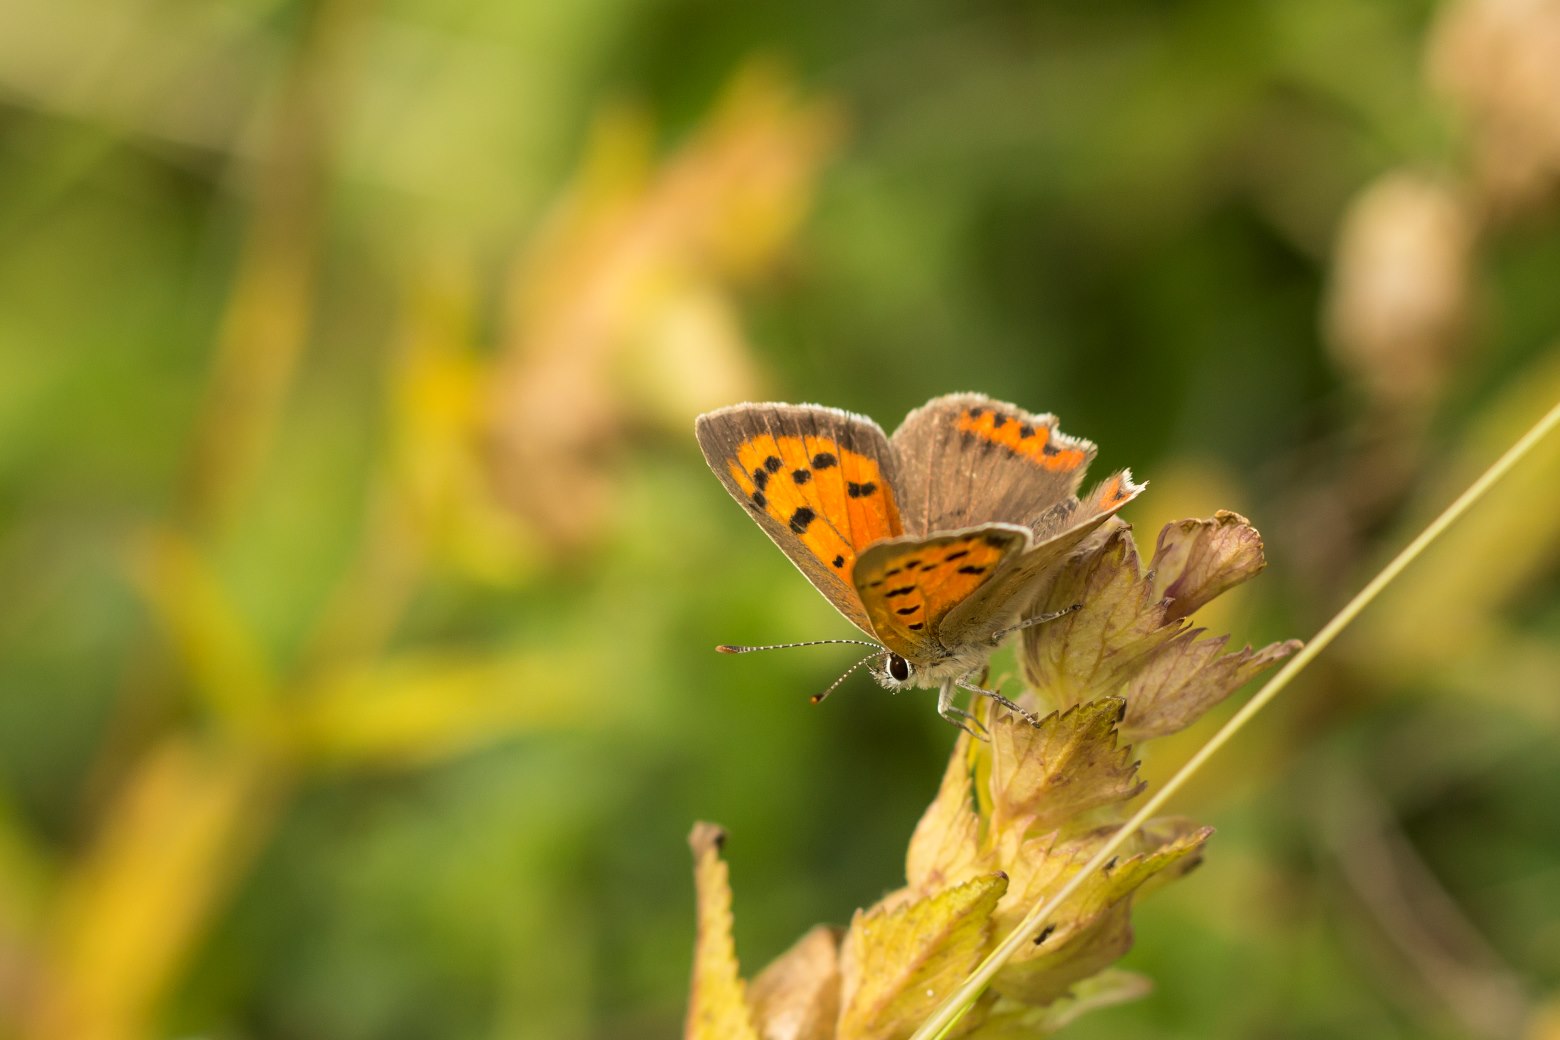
(797, 996)
(1130, 636)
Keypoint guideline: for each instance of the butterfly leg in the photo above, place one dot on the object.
(1029, 716)
(963, 719)
(1031, 622)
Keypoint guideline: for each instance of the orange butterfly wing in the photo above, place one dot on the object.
(909, 585)
(819, 481)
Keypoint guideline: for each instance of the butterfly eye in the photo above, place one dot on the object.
(898, 668)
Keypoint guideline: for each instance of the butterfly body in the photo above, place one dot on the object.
(932, 542)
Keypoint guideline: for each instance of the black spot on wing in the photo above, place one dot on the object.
(801, 518)
(856, 490)
(761, 478)
(824, 459)
(801, 476)
(906, 610)
(759, 500)
(961, 554)
(970, 568)
(773, 464)
(839, 561)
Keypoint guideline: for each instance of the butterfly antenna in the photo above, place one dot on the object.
(1038, 619)
(817, 698)
(727, 648)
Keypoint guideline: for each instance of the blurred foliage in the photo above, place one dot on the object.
(362, 571)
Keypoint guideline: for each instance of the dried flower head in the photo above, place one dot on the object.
(1498, 62)
(1014, 819)
(1398, 303)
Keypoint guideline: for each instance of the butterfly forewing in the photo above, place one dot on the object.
(967, 459)
(819, 481)
(907, 586)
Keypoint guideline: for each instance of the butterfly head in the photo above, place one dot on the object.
(891, 671)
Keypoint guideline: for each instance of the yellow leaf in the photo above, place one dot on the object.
(944, 848)
(900, 959)
(717, 1003)
(1043, 776)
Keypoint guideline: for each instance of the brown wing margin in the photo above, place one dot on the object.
(819, 481)
(968, 459)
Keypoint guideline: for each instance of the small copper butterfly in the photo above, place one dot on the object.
(933, 542)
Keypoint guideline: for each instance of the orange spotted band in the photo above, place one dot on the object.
(1020, 437)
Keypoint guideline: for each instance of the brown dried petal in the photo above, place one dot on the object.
(944, 847)
(798, 996)
(899, 962)
(1197, 559)
(1188, 677)
(1090, 652)
(1043, 776)
(717, 1005)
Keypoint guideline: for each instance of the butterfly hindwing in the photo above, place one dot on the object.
(820, 481)
(968, 459)
(997, 604)
(909, 585)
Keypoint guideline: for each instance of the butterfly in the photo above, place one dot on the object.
(933, 542)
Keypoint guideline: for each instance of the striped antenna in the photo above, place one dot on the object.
(817, 698)
(728, 648)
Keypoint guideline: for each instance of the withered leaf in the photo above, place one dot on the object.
(1095, 946)
(1011, 1020)
(1197, 559)
(798, 996)
(944, 848)
(1189, 676)
(1090, 652)
(1083, 929)
(717, 1003)
(899, 961)
(1043, 776)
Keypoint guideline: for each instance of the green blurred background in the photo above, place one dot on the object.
(361, 572)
